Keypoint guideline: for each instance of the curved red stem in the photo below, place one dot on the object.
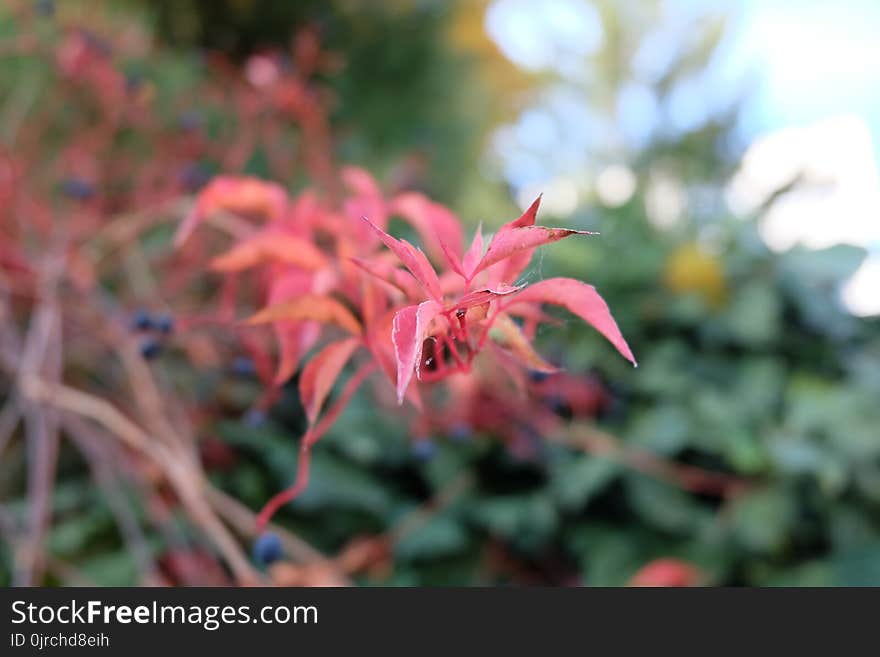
(312, 435)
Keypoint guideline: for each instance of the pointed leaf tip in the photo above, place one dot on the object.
(520, 241)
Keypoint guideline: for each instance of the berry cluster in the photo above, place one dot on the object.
(156, 326)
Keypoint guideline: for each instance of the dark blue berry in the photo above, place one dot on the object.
(423, 449)
(150, 348)
(97, 43)
(559, 405)
(536, 376)
(267, 548)
(243, 367)
(194, 177)
(141, 321)
(460, 432)
(164, 323)
(78, 189)
(254, 418)
(189, 120)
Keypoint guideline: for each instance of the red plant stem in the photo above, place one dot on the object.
(310, 438)
(489, 322)
(448, 342)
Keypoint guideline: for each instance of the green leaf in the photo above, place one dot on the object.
(576, 481)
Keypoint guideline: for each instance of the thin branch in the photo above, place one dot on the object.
(690, 478)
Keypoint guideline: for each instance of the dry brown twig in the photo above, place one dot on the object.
(183, 475)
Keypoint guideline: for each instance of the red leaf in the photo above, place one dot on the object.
(321, 372)
(413, 259)
(270, 246)
(408, 332)
(523, 239)
(309, 306)
(582, 300)
(438, 227)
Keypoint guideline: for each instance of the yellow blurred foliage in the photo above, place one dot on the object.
(692, 270)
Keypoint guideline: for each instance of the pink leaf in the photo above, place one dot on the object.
(452, 260)
(479, 297)
(320, 373)
(366, 201)
(475, 252)
(582, 300)
(438, 227)
(413, 259)
(524, 239)
(408, 332)
(398, 278)
(360, 182)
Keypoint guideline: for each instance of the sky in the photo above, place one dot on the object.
(811, 74)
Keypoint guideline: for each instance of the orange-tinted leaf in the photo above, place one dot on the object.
(582, 300)
(507, 334)
(320, 373)
(241, 195)
(309, 306)
(408, 332)
(294, 338)
(266, 247)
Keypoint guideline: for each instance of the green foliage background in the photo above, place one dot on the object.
(755, 371)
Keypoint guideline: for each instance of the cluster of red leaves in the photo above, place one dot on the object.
(418, 316)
